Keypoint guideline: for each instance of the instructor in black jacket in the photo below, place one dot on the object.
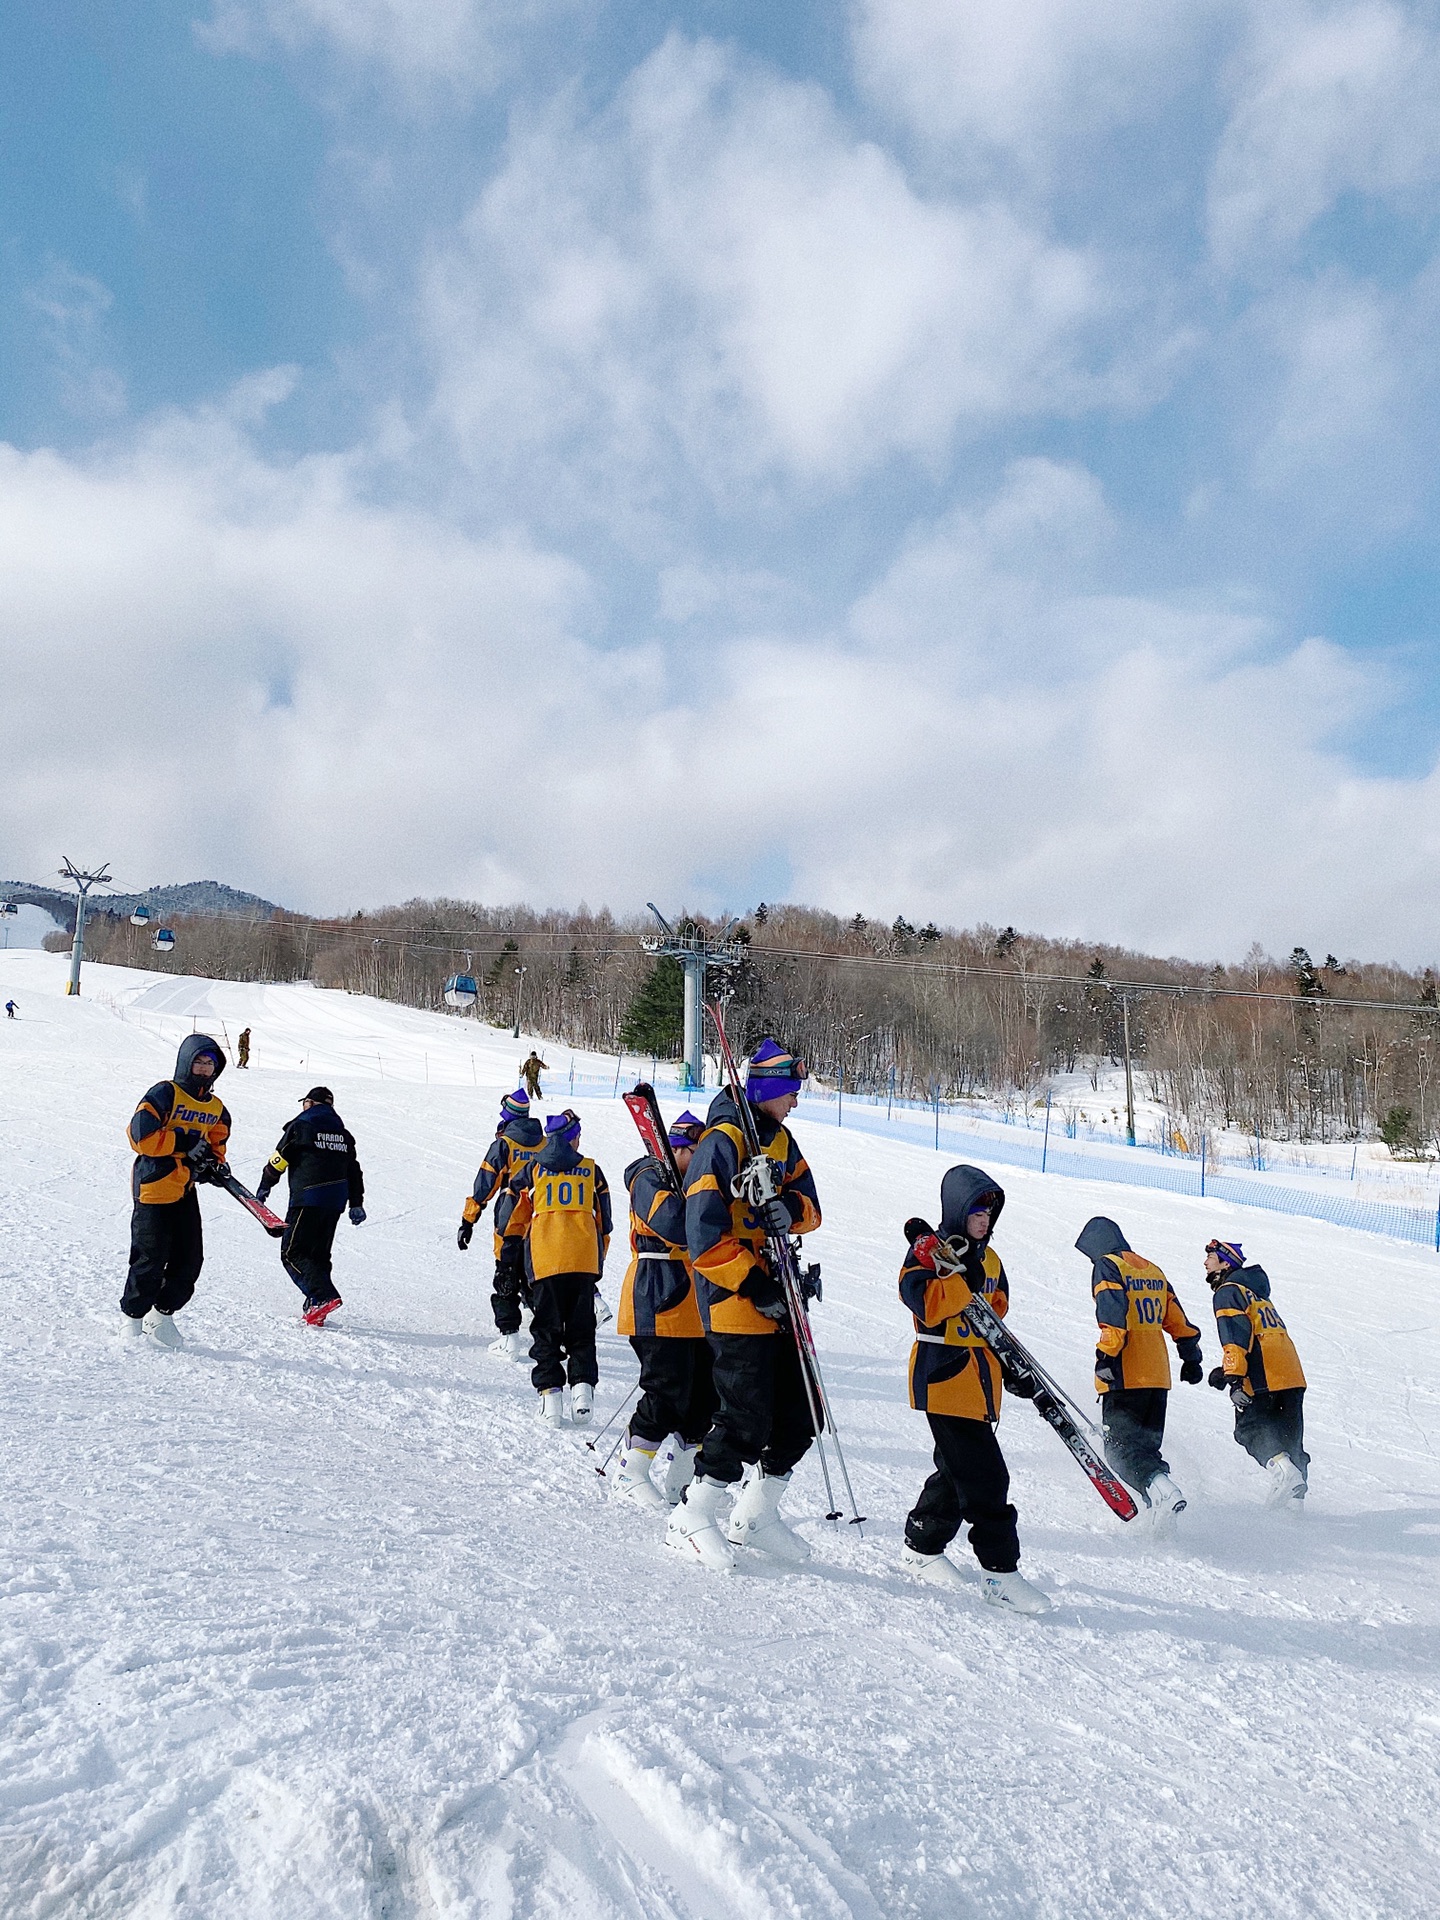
(317, 1150)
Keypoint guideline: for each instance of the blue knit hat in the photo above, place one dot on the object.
(774, 1071)
(515, 1106)
(685, 1131)
(1230, 1251)
(566, 1125)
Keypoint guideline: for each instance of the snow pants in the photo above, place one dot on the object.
(510, 1288)
(562, 1331)
(1133, 1420)
(167, 1251)
(677, 1390)
(970, 1484)
(1274, 1423)
(761, 1412)
(305, 1251)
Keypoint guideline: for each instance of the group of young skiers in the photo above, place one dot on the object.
(715, 1305)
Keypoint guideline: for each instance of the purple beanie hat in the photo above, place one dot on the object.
(774, 1071)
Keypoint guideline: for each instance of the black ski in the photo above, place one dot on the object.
(644, 1110)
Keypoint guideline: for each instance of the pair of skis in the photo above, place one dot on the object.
(213, 1172)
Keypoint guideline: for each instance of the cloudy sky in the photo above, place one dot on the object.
(968, 458)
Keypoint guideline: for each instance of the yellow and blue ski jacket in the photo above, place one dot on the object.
(658, 1294)
(562, 1206)
(1258, 1350)
(1135, 1307)
(170, 1121)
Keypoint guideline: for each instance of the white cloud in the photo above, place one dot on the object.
(416, 40)
(72, 309)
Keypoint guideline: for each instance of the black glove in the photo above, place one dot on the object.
(1107, 1367)
(262, 1192)
(1219, 1379)
(205, 1165)
(777, 1217)
(357, 1216)
(766, 1295)
(463, 1237)
(1024, 1386)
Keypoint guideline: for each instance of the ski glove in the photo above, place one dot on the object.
(1219, 1379)
(357, 1216)
(1024, 1386)
(463, 1237)
(1192, 1370)
(204, 1163)
(777, 1217)
(766, 1295)
(1107, 1368)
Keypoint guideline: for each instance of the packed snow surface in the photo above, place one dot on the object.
(304, 1623)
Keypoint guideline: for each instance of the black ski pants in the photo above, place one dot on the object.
(510, 1288)
(1133, 1421)
(970, 1484)
(562, 1331)
(761, 1412)
(677, 1390)
(167, 1251)
(1274, 1423)
(305, 1251)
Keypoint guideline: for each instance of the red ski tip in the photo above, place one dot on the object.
(317, 1315)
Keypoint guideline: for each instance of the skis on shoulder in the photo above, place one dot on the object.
(644, 1110)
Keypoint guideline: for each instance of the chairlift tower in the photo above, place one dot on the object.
(83, 882)
(695, 951)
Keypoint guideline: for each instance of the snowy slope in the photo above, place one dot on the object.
(304, 1624)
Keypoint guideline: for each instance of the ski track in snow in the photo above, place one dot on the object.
(304, 1624)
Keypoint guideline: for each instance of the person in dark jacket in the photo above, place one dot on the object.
(956, 1382)
(317, 1151)
(242, 1048)
(562, 1208)
(518, 1138)
(1135, 1307)
(1261, 1372)
(178, 1134)
(660, 1316)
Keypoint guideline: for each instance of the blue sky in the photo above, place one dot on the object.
(990, 446)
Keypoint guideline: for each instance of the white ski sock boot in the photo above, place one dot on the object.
(693, 1529)
(633, 1482)
(1166, 1500)
(677, 1463)
(933, 1568)
(582, 1402)
(552, 1407)
(131, 1329)
(1014, 1592)
(1287, 1482)
(755, 1520)
(510, 1346)
(162, 1328)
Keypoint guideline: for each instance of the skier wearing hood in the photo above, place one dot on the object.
(956, 1382)
(317, 1150)
(518, 1139)
(178, 1135)
(1261, 1371)
(762, 1417)
(562, 1208)
(660, 1315)
(1135, 1308)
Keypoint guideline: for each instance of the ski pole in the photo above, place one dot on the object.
(595, 1439)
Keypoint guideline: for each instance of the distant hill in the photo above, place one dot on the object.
(206, 898)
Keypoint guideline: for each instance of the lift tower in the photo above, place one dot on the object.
(695, 951)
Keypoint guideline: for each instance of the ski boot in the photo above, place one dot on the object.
(1287, 1483)
(509, 1346)
(552, 1407)
(1014, 1592)
(693, 1529)
(633, 1482)
(677, 1465)
(1166, 1501)
(755, 1520)
(317, 1312)
(131, 1330)
(582, 1402)
(934, 1569)
(162, 1329)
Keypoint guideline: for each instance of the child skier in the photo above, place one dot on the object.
(1135, 1307)
(518, 1139)
(317, 1150)
(178, 1135)
(562, 1208)
(956, 1382)
(1262, 1372)
(660, 1315)
(762, 1415)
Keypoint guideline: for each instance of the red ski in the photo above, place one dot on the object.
(644, 1110)
(271, 1222)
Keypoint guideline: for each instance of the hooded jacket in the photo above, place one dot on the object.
(725, 1239)
(317, 1149)
(1135, 1307)
(506, 1158)
(562, 1206)
(952, 1370)
(658, 1294)
(171, 1120)
(1258, 1351)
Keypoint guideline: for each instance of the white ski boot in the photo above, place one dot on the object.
(552, 1407)
(1014, 1592)
(935, 1569)
(510, 1346)
(693, 1529)
(162, 1329)
(582, 1402)
(603, 1312)
(131, 1330)
(633, 1482)
(755, 1520)
(1287, 1483)
(1166, 1501)
(677, 1464)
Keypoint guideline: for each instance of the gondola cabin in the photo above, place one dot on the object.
(164, 941)
(461, 991)
(140, 917)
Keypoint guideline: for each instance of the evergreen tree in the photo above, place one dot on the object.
(655, 1020)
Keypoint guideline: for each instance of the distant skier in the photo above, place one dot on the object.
(530, 1073)
(11, 1009)
(762, 1416)
(661, 1317)
(1135, 1307)
(317, 1150)
(1261, 1371)
(956, 1382)
(562, 1207)
(242, 1049)
(178, 1135)
(518, 1139)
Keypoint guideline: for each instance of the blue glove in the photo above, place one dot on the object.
(357, 1216)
